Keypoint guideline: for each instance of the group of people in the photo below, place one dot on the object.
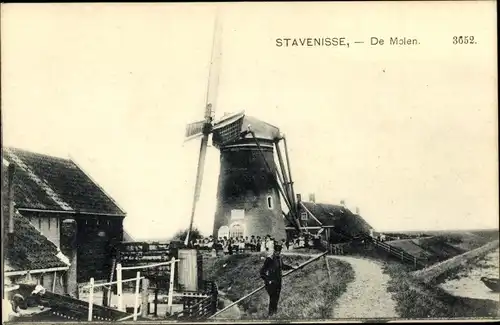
(233, 245)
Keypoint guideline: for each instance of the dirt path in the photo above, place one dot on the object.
(366, 296)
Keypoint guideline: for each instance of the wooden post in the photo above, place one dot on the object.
(171, 286)
(91, 299)
(54, 279)
(156, 301)
(328, 269)
(145, 295)
(136, 300)
(119, 287)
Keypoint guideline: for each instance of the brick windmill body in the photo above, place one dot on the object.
(248, 200)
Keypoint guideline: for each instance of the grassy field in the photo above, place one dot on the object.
(306, 293)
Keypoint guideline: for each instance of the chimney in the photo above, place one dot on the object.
(299, 198)
(342, 203)
(10, 195)
(312, 198)
(357, 210)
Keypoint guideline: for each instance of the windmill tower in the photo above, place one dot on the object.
(250, 183)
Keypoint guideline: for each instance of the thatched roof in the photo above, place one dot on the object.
(336, 216)
(51, 183)
(29, 250)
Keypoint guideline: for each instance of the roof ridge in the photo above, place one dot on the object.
(39, 181)
(98, 186)
(10, 148)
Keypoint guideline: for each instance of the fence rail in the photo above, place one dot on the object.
(398, 252)
(196, 308)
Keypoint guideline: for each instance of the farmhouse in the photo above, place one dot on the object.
(339, 223)
(66, 206)
(28, 255)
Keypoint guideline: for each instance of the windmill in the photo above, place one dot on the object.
(250, 182)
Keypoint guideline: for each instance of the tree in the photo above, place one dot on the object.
(181, 234)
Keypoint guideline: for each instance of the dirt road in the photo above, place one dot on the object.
(366, 296)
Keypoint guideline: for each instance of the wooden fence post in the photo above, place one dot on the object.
(328, 269)
(145, 295)
(136, 300)
(119, 287)
(91, 298)
(156, 300)
(171, 286)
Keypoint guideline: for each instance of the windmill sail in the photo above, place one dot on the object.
(194, 130)
(203, 128)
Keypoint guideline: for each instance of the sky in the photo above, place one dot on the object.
(408, 134)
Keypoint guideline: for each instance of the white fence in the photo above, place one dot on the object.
(95, 286)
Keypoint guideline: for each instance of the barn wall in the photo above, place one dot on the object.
(246, 184)
(96, 237)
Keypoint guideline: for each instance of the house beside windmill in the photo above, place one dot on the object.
(63, 204)
(28, 255)
(334, 223)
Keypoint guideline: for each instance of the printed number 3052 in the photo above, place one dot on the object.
(463, 40)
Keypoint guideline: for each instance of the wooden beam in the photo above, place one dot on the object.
(54, 279)
(286, 183)
(289, 171)
(290, 207)
(145, 296)
(11, 273)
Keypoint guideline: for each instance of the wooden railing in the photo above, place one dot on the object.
(200, 308)
(397, 252)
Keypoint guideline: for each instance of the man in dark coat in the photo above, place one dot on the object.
(271, 273)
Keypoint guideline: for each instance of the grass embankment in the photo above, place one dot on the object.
(422, 300)
(483, 261)
(306, 293)
(441, 246)
(415, 299)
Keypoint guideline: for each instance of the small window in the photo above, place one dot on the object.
(50, 222)
(269, 202)
(57, 223)
(39, 223)
(303, 216)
